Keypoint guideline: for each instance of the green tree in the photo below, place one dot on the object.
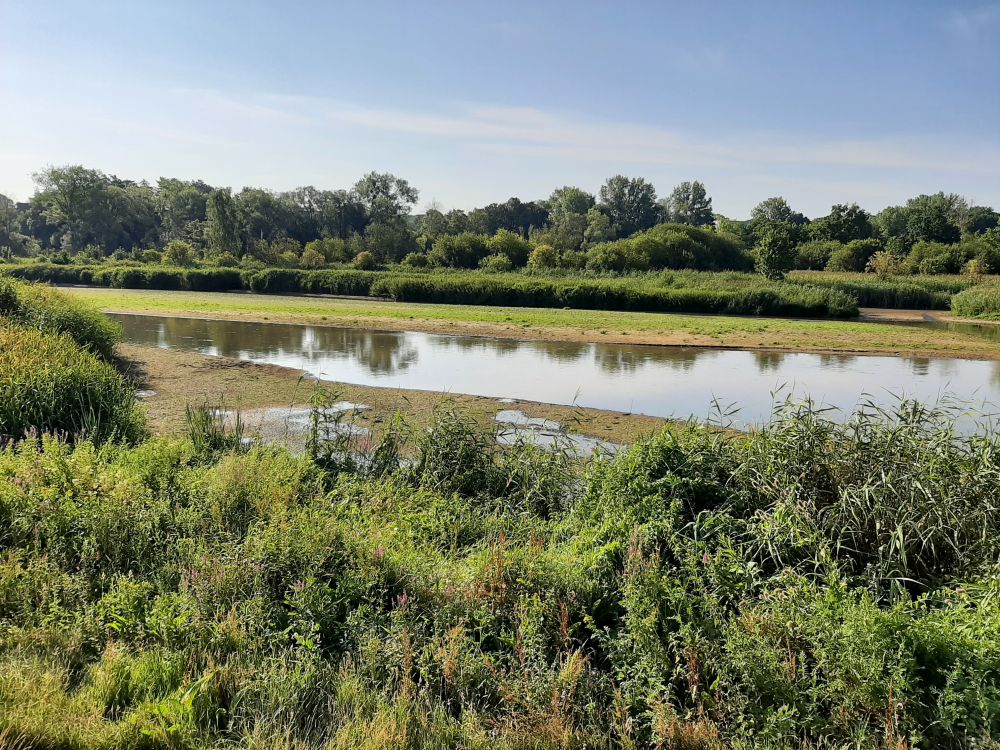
(630, 204)
(689, 204)
(844, 224)
(598, 229)
(181, 208)
(179, 253)
(222, 223)
(385, 196)
(774, 254)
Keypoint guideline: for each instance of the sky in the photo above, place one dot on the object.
(473, 102)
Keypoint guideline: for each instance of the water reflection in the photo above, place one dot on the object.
(661, 381)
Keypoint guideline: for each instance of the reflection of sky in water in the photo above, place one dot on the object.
(661, 381)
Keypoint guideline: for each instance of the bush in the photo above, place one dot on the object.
(978, 302)
(543, 256)
(854, 256)
(498, 263)
(364, 261)
(814, 256)
(49, 310)
(415, 260)
(48, 384)
(672, 246)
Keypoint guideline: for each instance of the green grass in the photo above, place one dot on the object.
(45, 309)
(49, 384)
(979, 302)
(582, 325)
(808, 585)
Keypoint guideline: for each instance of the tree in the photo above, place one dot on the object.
(776, 211)
(774, 254)
(925, 218)
(844, 224)
(981, 219)
(511, 245)
(222, 223)
(566, 201)
(178, 253)
(689, 204)
(79, 202)
(598, 229)
(630, 204)
(385, 196)
(181, 208)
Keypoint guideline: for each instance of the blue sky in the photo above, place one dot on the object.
(474, 102)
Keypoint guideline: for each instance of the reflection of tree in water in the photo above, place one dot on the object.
(768, 361)
(381, 353)
(625, 359)
(837, 361)
(470, 344)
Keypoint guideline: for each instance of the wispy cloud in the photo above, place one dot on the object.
(542, 134)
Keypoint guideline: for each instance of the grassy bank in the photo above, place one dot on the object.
(980, 302)
(743, 294)
(810, 585)
(570, 325)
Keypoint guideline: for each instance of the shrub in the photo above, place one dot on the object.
(179, 253)
(543, 256)
(312, 258)
(853, 256)
(498, 263)
(463, 250)
(364, 261)
(509, 244)
(49, 384)
(978, 302)
(815, 255)
(415, 260)
(49, 310)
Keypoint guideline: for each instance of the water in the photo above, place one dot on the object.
(654, 380)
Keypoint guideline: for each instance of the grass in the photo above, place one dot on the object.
(46, 309)
(809, 585)
(572, 325)
(980, 302)
(49, 384)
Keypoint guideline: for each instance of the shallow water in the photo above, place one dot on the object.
(654, 380)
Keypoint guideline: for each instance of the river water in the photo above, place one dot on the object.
(655, 380)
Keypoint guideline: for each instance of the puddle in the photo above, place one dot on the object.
(516, 426)
(291, 426)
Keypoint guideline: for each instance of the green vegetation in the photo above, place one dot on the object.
(45, 309)
(978, 302)
(809, 585)
(733, 294)
(49, 384)
(82, 215)
(54, 376)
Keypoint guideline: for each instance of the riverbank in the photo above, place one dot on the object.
(731, 332)
(174, 379)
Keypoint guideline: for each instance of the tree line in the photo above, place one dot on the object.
(78, 213)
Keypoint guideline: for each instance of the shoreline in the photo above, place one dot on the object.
(877, 332)
(178, 378)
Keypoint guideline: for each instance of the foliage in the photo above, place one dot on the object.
(688, 204)
(978, 302)
(810, 584)
(854, 256)
(48, 384)
(49, 310)
(774, 253)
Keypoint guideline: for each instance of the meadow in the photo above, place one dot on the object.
(814, 583)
